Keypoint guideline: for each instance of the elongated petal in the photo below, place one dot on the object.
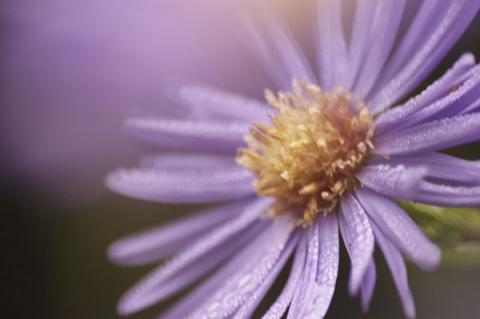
(434, 30)
(399, 271)
(381, 23)
(473, 107)
(421, 183)
(202, 292)
(394, 181)
(278, 308)
(241, 285)
(436, 135)
(399, 228)
(203, 265)
(224, 136)
(453, 104)
(162, 241)
(440, 167)
(368, 285)
(187, 186)
(212, 103)
(318, 291)
(278, 51)
(327, 270)
(362, 31)
(395, 117)
(134, 299)
(451, 196)
(331, 45)
(190, 161)
(358, 238)
(256, 297)
(300, 306)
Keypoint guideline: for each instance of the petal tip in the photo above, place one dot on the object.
(433, 261)
(112, 180)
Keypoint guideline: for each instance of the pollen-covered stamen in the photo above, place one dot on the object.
(308, 155)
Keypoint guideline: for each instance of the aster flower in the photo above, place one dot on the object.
(322, 158)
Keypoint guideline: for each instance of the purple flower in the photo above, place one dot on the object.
(326, 155)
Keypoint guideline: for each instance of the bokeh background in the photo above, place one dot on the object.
(70, 72)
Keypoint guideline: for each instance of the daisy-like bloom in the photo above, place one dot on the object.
(321, 159)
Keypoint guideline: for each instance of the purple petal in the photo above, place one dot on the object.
(326, 277)
(435, 135)
(400, 229)
(358, 238)
(182, 186)
(299, 307)
(180, 162)
(434, 30)
(378, 25)
(368, 285)
(278, 51)
(439, 167)
(331, 44)
(398, 270)
(134, 300)
(207, 288)
(455, 103)
(451, 196)
(203, 265)
(360, 41)
(256, 297)
(394, 181)
(212, 103)
(317, 291)
(438, 90)
(450, 105)
(278, 308)
(421, 183)
(474, 107)
(241, 285)
(190, 134)
(162, 241)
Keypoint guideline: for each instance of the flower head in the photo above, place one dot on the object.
(307, 158)
(322, 159)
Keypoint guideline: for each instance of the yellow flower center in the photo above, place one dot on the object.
(307, 157)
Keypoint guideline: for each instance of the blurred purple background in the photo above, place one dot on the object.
(70, 72)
